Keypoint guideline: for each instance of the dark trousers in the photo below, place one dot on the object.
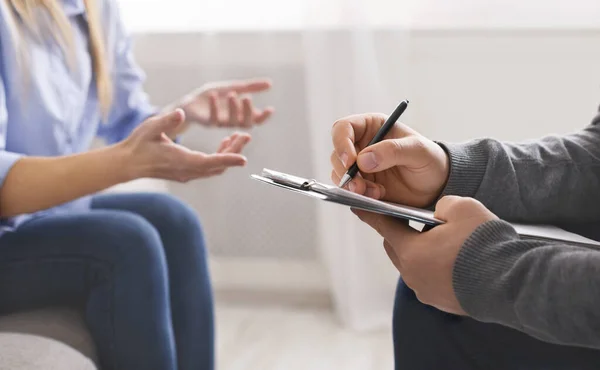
(428, 339)
(134, 263)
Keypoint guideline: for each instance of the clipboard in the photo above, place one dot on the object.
(341, 196)
(334, 194)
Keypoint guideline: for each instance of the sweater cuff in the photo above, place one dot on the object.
(468, 163)
(479, 273)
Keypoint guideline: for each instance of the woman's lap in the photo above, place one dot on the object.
(114, 261)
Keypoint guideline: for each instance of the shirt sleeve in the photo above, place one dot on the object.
(130, 105)
(7, 159)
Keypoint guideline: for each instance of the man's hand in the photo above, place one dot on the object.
(404, 168)
(426, 260)
(225, 104)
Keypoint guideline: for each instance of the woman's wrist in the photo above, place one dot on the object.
(123, 164)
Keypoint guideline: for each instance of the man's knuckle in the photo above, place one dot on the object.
(408, 280)
(397, 146)
(421, 297)
(420, 144)
(378, 225)
(466, 205)
(406, 260)
(337, 123)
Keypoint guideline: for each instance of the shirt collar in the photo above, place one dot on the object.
(73, 8)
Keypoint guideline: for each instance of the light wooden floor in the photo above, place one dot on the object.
(251, 337)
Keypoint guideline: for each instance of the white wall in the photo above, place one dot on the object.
(510, 84)
(237, 15)
(507, 84)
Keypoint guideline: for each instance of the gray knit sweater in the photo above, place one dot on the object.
(548, 290)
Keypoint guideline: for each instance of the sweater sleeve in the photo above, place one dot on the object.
(550, 291)
(552, 180)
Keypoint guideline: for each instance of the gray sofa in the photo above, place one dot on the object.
(51, 339)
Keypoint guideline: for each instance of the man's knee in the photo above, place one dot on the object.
(408, 310)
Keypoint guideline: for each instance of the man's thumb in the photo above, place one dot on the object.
(407, 151)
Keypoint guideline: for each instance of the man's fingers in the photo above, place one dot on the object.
(453, 207)
(335, 178)
(389, 228)
(343, 137)
(389, 250)
(337, 165)
(408, 151)
(373, 190)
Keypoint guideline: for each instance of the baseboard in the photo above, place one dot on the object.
(264, 280)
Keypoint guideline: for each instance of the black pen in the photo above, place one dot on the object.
(389, 123)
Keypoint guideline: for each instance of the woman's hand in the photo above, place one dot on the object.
(226, 104)
(150, 152)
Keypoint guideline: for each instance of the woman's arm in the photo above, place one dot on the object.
(32, 183)
(36, 183)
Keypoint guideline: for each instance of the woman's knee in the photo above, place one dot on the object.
(131, 242)
(169, 214)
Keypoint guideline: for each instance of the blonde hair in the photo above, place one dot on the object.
(26, 11)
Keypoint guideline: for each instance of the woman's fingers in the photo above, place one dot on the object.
(248, 115)
(253, 116)
(261, 117)
(215, 116)
(235, 109)
(200, 164)
(238, 142)
(167, 123)
(224, 144)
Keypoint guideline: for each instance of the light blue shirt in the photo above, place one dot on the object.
(54, 110)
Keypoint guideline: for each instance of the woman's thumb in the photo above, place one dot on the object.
(168, 122)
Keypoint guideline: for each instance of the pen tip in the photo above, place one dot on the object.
(345, 180)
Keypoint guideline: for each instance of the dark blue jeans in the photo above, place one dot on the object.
(428, 339)
(135, 263)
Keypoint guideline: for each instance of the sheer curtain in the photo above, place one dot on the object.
(348, 71)
(356, 56)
